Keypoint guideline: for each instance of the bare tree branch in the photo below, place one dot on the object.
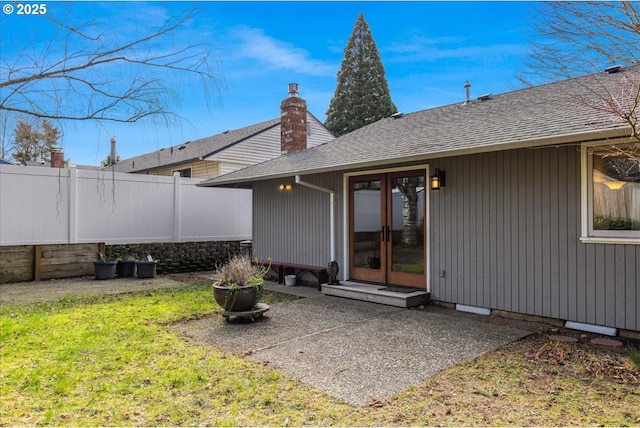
(82, 83)
(569, 39)
(6, 145)
(575, 38)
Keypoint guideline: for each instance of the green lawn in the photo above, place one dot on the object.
(115, 361)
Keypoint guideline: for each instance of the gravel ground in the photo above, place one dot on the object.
(44, 291)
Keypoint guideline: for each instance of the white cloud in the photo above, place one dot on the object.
(428, 53)
(276, 54)
(418, 48)
(418, 43)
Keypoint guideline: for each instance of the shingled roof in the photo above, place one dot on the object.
(192, 150)
(564, 112)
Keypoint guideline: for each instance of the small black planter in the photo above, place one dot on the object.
(126, 268)
(146, 269)
(105, 269)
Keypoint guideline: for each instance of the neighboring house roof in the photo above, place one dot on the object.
(38, 163)
(192, 150)
(88, 167)
(556, 113)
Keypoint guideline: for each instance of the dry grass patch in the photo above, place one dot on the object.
(531, 382)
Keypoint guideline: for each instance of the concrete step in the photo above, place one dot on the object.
(375, 293)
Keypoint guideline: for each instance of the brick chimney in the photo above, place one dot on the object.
(57, 158)
(293, 122)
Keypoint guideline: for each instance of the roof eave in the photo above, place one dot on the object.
(555, 140)
(162, 166)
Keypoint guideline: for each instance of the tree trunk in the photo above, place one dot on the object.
(409, 195)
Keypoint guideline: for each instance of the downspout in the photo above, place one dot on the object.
(332, 222)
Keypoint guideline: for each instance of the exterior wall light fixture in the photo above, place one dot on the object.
(437, 180)
(284, 187)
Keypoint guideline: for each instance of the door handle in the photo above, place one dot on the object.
(387, 232)
(381, 233)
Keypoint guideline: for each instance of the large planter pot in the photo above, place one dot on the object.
(238, 299)
(126, 268)
(105, 269)
(146, 269)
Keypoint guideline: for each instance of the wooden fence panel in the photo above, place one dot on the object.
(67, 260)
(16, 263)
(20, 263)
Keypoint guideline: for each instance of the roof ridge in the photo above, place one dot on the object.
(252, 130)
(602, 73)
(550, 113)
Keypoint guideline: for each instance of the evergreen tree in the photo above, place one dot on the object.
(31, 144)
(362, 96)
(48, 140)
(107, 161)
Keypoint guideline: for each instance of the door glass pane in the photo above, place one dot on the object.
(366, 224)
(407, 213)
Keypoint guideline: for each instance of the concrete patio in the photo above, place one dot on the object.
(359, 352)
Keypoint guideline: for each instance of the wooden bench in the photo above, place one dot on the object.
(283, 269)
(273, 266)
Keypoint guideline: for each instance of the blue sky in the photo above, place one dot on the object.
(429, 50)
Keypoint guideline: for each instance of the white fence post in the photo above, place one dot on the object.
(176, 206)
(73, 205)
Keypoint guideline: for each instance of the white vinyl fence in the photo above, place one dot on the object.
(40, 205)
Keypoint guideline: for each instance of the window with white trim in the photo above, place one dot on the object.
(613, 191)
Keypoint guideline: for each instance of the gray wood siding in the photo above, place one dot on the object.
(256, 149)
(265, 146)
(294, 226)
(506, 229)
(318, 134)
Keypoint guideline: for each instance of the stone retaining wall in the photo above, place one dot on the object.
(175, 257)
(20, 263)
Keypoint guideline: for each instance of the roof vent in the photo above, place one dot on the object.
(485, 97)
(467, 87)
(181, 147)
(397, 115)
(613, 69)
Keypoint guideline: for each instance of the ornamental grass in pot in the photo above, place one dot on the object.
(240, 285)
